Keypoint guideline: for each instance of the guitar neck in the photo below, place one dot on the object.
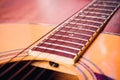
(68, 41)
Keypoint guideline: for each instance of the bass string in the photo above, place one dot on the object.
(3, 73)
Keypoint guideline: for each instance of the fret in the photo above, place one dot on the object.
(82, 28)
(95, 12)
(100, 9)
(105, 4)
(69, 35)
(91, 18)
(95, 15)
(65, 45)
(69, 42)
(81, 24)
(77, 33)
(54, 51)
(69, 39)
(60, 48)
(74, 34)
(81, 31)
(103, 7)
(88, 20)
(89, 27)
(108, 1)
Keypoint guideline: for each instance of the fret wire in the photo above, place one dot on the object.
(71, 37)
(105, 4)
(96, 13)
(91, 28)
(80, 28)
(108, 1)
(77, 33)
(74, 34)
(100, 9)
(58, 50)
(91, 18)
(61, 45)
(57, 53)
(84, 19)
(81, 31)
(86, 25)
(67, 41)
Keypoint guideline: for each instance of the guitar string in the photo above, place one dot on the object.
(16, 62)
(21, 69)
(39, 75)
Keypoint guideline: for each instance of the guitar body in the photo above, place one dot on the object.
(99, 62)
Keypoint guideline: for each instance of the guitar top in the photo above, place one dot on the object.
(84, 45)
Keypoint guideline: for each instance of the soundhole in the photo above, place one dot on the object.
(21, 70)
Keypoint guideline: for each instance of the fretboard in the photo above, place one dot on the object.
(70, 39)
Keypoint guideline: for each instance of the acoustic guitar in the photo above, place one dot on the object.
(85, 46)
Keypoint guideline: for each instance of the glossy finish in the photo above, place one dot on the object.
(18, 36)
(38, 11)
(113, 26)
(17, 32)
(104, 52)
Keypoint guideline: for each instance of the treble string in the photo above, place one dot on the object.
(12, 66)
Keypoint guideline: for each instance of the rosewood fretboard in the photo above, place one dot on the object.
(71, 38)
